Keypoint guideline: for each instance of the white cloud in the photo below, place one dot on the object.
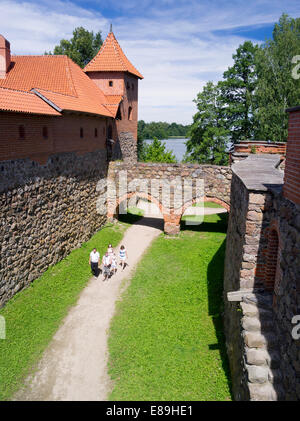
(171, 42)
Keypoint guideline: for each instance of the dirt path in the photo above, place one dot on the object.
(74, 366)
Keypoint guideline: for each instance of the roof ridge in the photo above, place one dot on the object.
(54, 92)
(69, 75)
(39, 55)
(117, 52)
(16, 90)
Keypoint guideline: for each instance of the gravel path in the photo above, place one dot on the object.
(74, 366)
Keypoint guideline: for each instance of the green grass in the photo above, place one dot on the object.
(208, 205)
(33, 315)
(166, 339)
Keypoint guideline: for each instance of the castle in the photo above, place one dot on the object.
(50, 105)
(65, 132)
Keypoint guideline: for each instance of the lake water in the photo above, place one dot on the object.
(177, 146)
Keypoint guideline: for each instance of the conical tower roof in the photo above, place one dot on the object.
(111, 58)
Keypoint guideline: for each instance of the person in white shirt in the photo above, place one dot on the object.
(94, 261)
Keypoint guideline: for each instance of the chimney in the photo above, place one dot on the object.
(4, 56)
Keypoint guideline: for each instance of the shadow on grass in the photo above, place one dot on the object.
(129, 218)
(212, 223)
(215, 275)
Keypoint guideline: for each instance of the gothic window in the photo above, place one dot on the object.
(119, 116)
(96, 132)
(81, 132)
(110, 83)
(130, 113)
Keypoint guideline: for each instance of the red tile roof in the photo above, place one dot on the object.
(59, 80)
(111, 58)
(24, 102)
(50, 84)
(45, 72)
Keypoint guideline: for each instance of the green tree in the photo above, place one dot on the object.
(276, 88)
(237, 92)
(208, 133)
(156, 152)
(81, 48)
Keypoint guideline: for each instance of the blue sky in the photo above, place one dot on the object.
(178, 45)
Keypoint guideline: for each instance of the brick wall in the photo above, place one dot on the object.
(63, 135)
(126, 85)
(260, 147)
(291, 188)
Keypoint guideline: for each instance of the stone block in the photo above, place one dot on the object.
(251, 324)
(262, 392)
(257, 356)
(254, 340)
(257, 374)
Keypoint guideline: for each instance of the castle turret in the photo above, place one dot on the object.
(118, 79)
(4, 56)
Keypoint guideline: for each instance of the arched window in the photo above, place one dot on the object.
(119, 115)
(81, 132)
(22, 132)
(272, 269)
(45, 132)
(130, 113)
(96, 132)
(110, 83)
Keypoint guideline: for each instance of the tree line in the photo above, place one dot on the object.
(161, 130)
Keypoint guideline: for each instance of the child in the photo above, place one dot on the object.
(123, 257)
(114, 262)
(110, 250)
(106, 261)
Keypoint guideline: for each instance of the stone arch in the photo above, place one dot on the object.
(114, 208)
(205, 199)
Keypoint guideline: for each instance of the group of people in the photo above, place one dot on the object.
(109, 261)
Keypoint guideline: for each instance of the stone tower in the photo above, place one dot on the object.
(118, 79)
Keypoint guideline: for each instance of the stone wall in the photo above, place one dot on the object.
(182, 181)
(264, 358)
(46, 211)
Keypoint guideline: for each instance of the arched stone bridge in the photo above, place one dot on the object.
(172, 187)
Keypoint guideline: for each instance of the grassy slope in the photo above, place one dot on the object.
(34, 314)
(166, 340)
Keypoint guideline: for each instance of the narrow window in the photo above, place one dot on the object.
(119, 116)
(81, 132)
(104, 131)
(130, 113)
(109, 132)
(128, 85)
(96, 132)
(110, 83)
(45, 132)
(132, 86)
(21, 132)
